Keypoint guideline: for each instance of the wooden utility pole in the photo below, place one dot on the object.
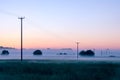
(77, 49)
(21, 19)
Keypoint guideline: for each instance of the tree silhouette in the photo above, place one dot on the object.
(37, 52)
(82, 52)
(5, 52)
(87, 53)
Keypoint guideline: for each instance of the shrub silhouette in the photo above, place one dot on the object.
(5, 52)
(87, 53)
(37, 52)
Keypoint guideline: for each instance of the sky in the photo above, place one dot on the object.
(61, 23)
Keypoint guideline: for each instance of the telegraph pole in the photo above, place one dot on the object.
(21, 19)
(77, 48)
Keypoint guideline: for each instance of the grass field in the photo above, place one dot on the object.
(59, 70)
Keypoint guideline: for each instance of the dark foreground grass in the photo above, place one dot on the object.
(59, 71)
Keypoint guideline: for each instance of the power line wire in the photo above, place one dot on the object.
(8, 13)
(37, 25)
(47, 30)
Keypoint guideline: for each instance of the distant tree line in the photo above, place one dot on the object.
(2, 47)
(39, 52)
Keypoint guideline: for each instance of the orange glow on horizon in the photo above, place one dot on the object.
(34, 41)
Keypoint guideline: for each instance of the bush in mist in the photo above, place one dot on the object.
(37, 52)
(87, 53)
(5, 52)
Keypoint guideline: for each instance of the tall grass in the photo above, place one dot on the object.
(62, 71)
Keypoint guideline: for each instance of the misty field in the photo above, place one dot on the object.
(59, 70)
